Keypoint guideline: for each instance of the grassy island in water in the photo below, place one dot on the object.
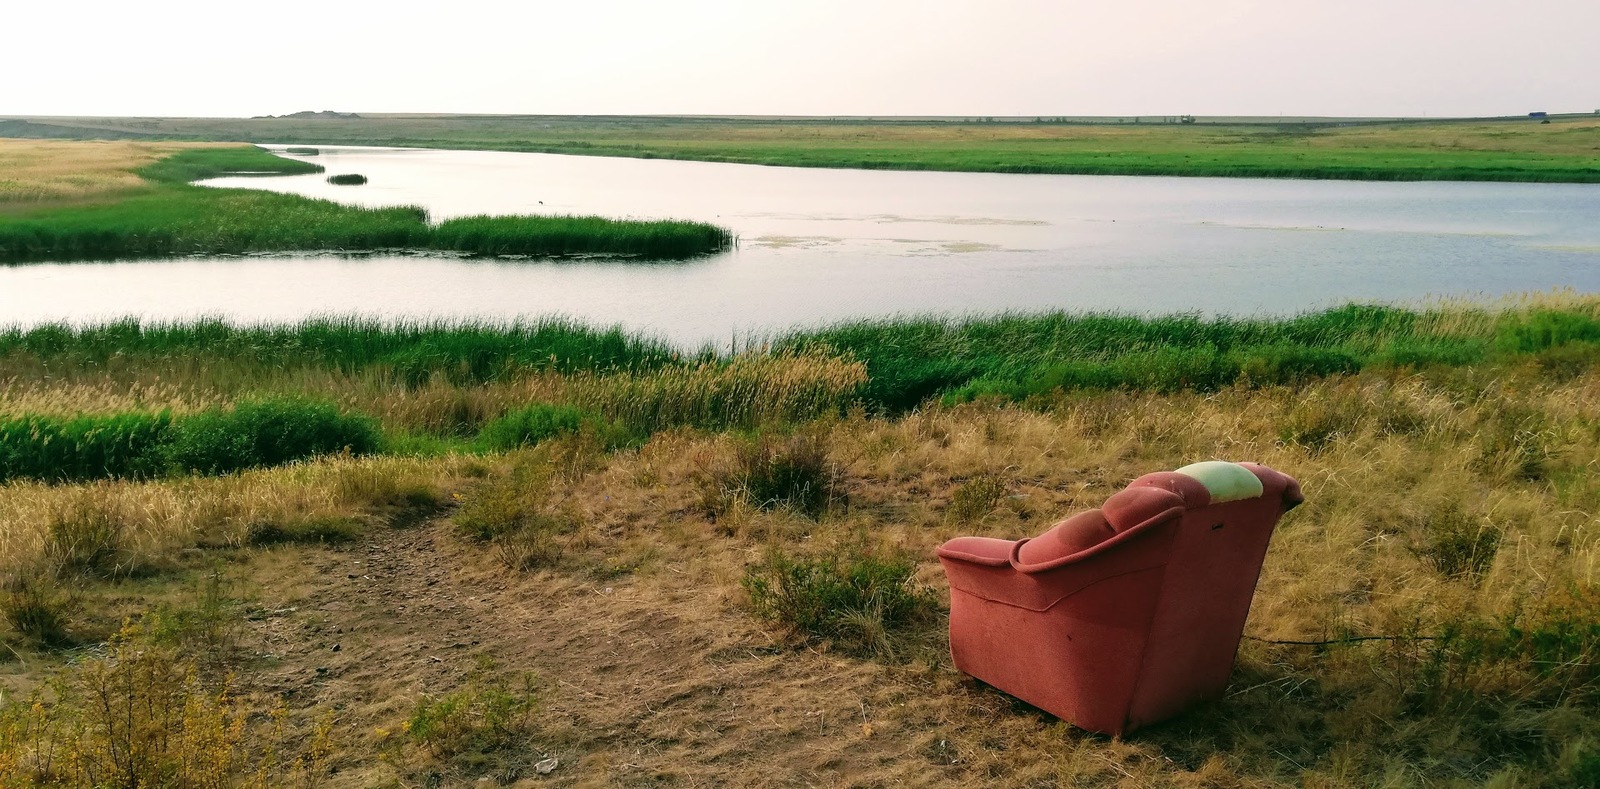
(141, 203)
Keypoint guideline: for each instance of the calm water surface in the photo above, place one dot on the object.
(821, 245)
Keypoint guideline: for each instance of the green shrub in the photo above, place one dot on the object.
(1517, 442)
(1420, 352)
(489, 715)
(54, 449)
(1585, 768)
(1455, 543)
(85, 537)
(134, 715)
(856, 601)
(793, 472)
(975, 498)
(312, 530)
(39, 611)
(267, 433)
(573, 235)
(530, 425)
(518, 515)
(1565, 362)
(1541, 329)
(1287, 364)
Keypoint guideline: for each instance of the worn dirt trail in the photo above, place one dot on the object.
(652, 680)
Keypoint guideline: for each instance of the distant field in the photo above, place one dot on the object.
(1566, 149)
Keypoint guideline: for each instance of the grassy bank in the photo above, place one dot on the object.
(906, 361)
(1489, 150)
(668, 542)
(166, 216)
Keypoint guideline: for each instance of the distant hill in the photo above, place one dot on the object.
(308, 114)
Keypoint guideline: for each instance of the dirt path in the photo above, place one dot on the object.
(654, 680)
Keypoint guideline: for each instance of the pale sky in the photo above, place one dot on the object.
(803, 57)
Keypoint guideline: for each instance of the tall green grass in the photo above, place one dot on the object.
(252, 434)
(1020, 356)
(570, 235)
(887, 365)
(413, 352)
(176, 218)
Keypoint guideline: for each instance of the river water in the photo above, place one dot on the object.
(819, 245)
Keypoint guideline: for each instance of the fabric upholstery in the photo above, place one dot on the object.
(1126, 615)
(1224, 481)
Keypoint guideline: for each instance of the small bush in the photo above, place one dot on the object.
(540, 541)
(1289, 364)
(1566, 362)
(1316, 423)
(856, 601)
(1420, 352)
(1585, 768)
(518, 515)
(137, 716)
(267, 433)
(784, 472)
(1517, 443)
(209, 629)
(975, 498)
(1455, 543)
(311, 530)
(37, 610)
(347, 179)
(490, 715)
(529, 426)
(142, 446)
(85, 536)
(503, 505)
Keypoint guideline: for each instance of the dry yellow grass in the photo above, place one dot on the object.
(42, 171)
(151, 521)
(653, 669)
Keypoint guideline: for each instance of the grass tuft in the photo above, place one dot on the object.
(854, 601)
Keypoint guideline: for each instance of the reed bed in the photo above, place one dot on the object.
(579, 235)
(1023, 356)
(411, 352)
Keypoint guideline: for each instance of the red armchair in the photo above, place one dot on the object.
(1123, 616)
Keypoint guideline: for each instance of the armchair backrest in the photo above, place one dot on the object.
(1152, 589)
